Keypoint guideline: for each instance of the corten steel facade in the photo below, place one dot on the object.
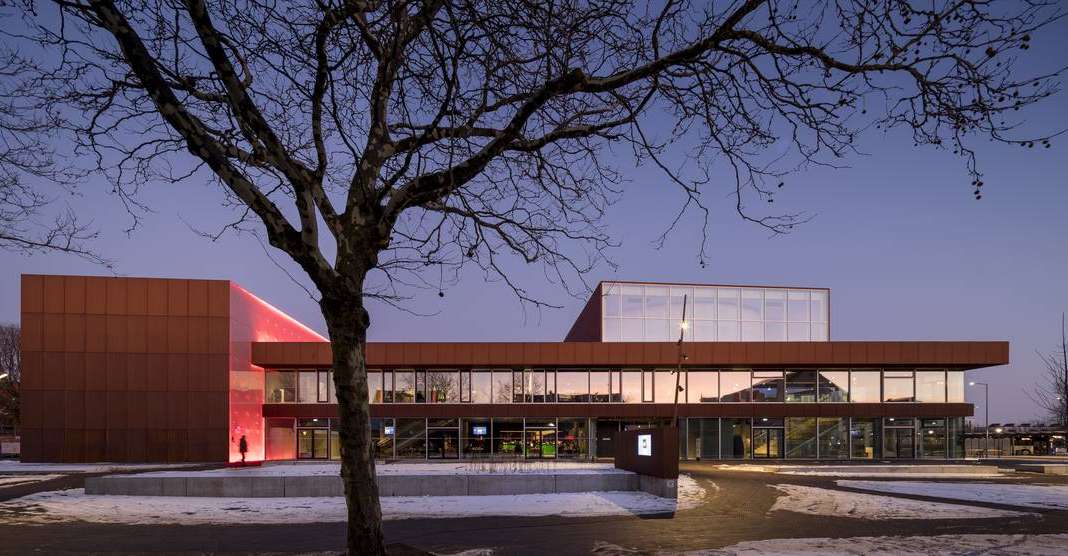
(125, 369)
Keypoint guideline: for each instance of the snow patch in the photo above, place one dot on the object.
(75, 505)
(948, 545)
(14, 480)
(835, 503)
(1054, 497)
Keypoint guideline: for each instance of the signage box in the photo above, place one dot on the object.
(645, 445)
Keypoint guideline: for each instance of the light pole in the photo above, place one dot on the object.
(986, 409)
(678, 369)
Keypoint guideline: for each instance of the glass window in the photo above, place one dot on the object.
(660, 330)
(864, 436)
(534, 384)
(374, 386)
(797, 332)
(702, 386)
(727, 303)
(465, 386)
(736, 439)
(727, 331)
(675, 309)
(819, 332)
(767, 386)
(420, 386)
(656, 302)
(775, 305)
(818, 306)
(800, 386)
(702, 331)
(833, 438)
(387, 386)
(734, 386)
(931, 386)
(612, 301)
(280, 387)
(518, 386)
(632, 386)
(752, 305)
(613, 329)
(704, 304)
(324, 387)
(632, 301)
(864, 387)
(502, 386)
(897, 386)
(633, 330)
(774, 332)
(443, 386)
(702, 438)
(647, 386)
(752, 331)
(475, 438)
(481, 388)
(308, 389)
(572, 436)
(507, 437)
(834, 386)
(797, 306)
(572, 386)
(933, 442)
(600, 386)
(404, 386)
(410, 435)
(955, 387)
(665, 386)
(801, 438)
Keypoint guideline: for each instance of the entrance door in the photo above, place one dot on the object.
(443, 444)
(541, 443)
(312, 443)
(898, 443)
(767, 443)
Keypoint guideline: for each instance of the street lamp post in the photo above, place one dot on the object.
(678, 368)
(986, 410)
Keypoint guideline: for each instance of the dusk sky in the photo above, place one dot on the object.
(907, 251)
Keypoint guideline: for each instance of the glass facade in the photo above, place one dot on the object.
(653, 313)
(501, 386)
(798, 438)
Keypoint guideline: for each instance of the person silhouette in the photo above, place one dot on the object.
(242, 446)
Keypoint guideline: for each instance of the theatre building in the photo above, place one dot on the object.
(174, 370)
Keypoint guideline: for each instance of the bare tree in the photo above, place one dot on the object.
(390, 144)
(28, 166)
(10, 376)
(1051, 394)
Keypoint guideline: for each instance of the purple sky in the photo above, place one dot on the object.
(906, 250)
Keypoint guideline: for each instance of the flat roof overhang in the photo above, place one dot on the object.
(958, 355)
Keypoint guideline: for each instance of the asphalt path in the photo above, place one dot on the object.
(736, 509)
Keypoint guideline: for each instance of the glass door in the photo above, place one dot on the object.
(541, 443)
(443, 443)
(767, 443)
(312, 443)
(899, 438)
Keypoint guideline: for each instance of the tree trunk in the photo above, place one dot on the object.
(347, 321)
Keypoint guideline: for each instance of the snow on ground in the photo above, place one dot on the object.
(836, 503)
(15, 466)
(1054, 497)
(948, 545)
(859, 471)
(472, 468)
(75, 505)
(14, 480)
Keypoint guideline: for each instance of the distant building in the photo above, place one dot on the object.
(134, 369)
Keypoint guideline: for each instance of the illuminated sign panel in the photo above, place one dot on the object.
(645, 444)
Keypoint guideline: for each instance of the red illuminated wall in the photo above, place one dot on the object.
(143, 369)
(254, 320)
